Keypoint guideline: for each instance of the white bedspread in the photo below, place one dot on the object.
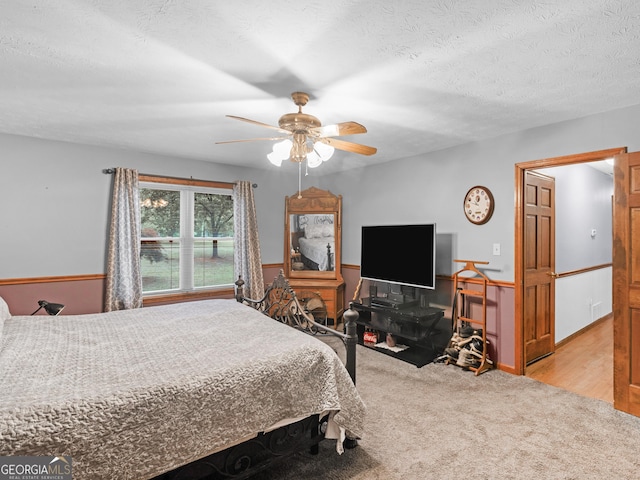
(316, 249)
(135, 393)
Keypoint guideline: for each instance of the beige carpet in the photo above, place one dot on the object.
(441, 422)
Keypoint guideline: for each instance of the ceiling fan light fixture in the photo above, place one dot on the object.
(281, 151)
(283, 148)
(324, 151)
(313, 160)
(321, 152)
(274, 159)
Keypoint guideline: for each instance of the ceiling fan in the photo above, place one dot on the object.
(305, 137)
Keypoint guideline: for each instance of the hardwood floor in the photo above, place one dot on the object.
(582, 365)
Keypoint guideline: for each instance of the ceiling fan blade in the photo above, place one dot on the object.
(255, 122)
(349, 146)
(253, 140)
(337, 130)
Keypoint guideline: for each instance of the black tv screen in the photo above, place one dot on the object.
(402, 254)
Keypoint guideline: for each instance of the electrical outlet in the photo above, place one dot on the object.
(496, 249)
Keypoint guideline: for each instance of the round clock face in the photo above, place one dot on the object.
(478, 205)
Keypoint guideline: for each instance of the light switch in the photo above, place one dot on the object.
(496, 249)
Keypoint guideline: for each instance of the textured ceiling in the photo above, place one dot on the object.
(421, 75)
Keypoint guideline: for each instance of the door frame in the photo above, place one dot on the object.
(520, 168)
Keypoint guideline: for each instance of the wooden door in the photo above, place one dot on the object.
(626, 283)
(538, 266)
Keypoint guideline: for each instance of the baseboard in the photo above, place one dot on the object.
(583, 330)
(506, 368)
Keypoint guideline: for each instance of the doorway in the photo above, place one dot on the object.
(583, 364)
(521, 170)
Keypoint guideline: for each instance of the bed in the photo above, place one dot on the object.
(317, 244)
(138, 393)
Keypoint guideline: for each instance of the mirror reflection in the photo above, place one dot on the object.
(312, 240)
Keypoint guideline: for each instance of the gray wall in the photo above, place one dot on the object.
(54, 203)
(431, 186)
(54, 198)
(583, 203)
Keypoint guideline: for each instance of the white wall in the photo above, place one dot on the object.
(582, 299)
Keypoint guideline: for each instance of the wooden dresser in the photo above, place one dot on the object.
(312, 247)
(331, 291)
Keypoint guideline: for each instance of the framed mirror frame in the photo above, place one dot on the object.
(320, 205)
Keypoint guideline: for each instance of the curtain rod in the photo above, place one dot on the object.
(111, 171)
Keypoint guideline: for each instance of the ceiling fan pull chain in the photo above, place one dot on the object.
(299, 179)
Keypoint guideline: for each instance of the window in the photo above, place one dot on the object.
(186, 235)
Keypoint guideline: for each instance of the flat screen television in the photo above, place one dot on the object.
(401, 254)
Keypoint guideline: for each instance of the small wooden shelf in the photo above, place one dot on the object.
(462, 313)
(474, 293)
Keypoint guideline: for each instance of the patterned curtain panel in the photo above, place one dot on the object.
(247, 260)
(124, 280)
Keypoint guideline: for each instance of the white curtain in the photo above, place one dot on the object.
(247, 260)
(124, 280)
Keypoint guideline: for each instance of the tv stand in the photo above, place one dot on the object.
(423, 330)
(383, 302)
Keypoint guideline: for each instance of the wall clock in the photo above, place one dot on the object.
(478, 205)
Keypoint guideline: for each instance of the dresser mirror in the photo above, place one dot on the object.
(312, 233)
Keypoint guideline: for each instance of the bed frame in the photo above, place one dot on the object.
(246, 459)
(281, 304)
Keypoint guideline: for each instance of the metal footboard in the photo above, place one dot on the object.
(281, 304)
